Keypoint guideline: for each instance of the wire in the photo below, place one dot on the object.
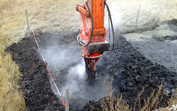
(47, 66)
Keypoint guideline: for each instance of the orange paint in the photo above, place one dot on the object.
(99, 31)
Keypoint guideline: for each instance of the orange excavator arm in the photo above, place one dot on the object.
(92, 33)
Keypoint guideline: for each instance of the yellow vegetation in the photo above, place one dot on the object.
(112, 103)
(44, 15)
(11, 98)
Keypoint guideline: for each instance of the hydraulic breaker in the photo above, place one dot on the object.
(92, 33)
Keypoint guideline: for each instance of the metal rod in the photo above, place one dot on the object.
(67, 99)
(27, 21)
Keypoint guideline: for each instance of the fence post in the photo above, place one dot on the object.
(138, 15)
(67, 99)
(27, 21)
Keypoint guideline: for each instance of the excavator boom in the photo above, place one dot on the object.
(92, 33)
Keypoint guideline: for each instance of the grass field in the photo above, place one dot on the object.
(51, 15)
(10, 97)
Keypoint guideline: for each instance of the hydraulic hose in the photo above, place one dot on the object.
(112, 27)
(91, 35)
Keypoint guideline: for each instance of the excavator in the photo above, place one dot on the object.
(92, 33)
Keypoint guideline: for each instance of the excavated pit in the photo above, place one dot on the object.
(130, 69)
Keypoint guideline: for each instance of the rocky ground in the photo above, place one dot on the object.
(158, 45)
(131, 71)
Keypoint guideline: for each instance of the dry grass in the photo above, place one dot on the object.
(152, 13)
(53, 15)
(173, 100)
(151, 102)
(11, 98)
(113, 103)
(13, 27)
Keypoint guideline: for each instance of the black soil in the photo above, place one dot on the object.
(34, 83)
(130, 69)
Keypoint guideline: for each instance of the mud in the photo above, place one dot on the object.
(130, 69)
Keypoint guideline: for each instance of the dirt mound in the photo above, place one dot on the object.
(34, 83)
(130, 69)
(172, 22)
